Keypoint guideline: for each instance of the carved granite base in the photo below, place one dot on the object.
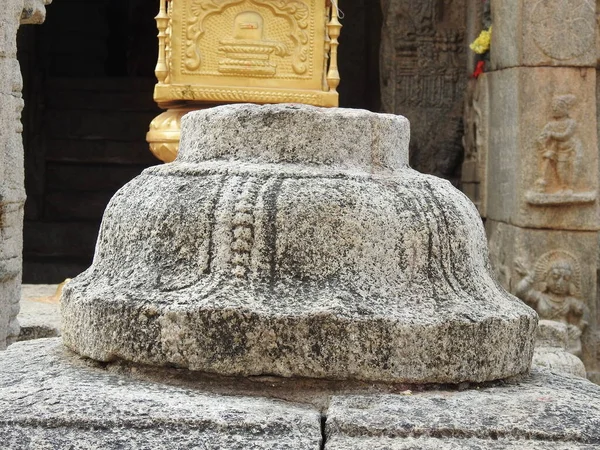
(295, 241)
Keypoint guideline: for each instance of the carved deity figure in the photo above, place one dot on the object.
(552, 289)
(559, 148)
(246, 52)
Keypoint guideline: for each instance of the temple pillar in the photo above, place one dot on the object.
(12, 190)
(423, 77)
(535, 126)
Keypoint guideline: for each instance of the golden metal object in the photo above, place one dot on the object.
(164, 134)
(229, 51)
(54, 298)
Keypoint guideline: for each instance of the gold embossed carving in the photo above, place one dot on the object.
(259, 29)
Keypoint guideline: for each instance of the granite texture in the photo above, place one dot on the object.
(551, 349)
(545, 410)
(319, 256)
(50, 399)
(12, 189)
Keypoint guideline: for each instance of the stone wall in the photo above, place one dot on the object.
(12, 191)
(532, 153)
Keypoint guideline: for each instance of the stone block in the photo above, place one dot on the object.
(559, 361)
(543, 411)
(517, 253)
(543, 154)
(12, 190)
(11, 80)
(11, 220)
(49, 399)
(543, 33)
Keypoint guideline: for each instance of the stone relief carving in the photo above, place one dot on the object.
(559, 29)
(423, 65)
(474, 139)
(560, 152)
(553, 289)
(243, 229)
(249, 26)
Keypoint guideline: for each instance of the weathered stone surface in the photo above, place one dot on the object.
(446, 443)
(543, 33)
(39, 316)
(49, 399)
(12, 191)
(546, 410)
(518, 253)
(558, 360)
(423, 77)
(551, 349)
(295, 241)
(543, 154)
(34, 11)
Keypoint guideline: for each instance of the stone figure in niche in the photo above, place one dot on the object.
(560, 151)
(247, 53)
(559, 147)
(553, 289)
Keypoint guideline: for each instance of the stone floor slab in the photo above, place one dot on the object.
(545, 410)
(48, 400)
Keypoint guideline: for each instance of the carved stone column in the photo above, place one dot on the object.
(542, 166)
(423, 77)
(12, 190)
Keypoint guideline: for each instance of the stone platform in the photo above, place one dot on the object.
(51, 398)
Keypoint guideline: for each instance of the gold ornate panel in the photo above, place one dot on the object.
(263, 34)
(234, 51)
(261, 51)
